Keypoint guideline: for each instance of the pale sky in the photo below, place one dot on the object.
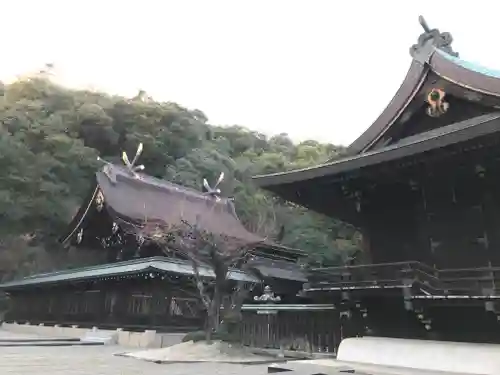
(315, 69)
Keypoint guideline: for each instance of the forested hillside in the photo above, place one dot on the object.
(50, 138)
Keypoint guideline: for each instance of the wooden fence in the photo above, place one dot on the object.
(306, 328)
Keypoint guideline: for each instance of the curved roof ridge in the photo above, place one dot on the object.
(414, 79)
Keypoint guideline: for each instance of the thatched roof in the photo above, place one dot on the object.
(134, 199)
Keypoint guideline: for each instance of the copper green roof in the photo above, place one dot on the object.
(133, 267)
(495, 73)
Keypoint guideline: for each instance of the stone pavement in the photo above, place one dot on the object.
(99, 360)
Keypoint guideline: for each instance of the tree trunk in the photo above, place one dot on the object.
(213, 315)
(231, 314)
(209, 329)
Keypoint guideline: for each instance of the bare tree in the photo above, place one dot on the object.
(216, 253)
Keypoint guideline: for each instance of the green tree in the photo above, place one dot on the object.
(50, 137)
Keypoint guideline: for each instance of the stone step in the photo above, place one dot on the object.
(39, 339)
(48, 343)
(102, 337)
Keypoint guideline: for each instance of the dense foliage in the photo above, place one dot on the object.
(50, 138)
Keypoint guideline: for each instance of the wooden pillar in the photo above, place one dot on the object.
(111, 303)
(366, 255)
(424, 249)
(121, 305)
(491, 210)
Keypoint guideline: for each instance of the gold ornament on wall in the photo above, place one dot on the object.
(437, 105)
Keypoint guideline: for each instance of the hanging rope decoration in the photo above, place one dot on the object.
(437, 105)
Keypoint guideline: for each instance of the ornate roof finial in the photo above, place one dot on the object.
(423, 23)
(434, 38)
(213, 191)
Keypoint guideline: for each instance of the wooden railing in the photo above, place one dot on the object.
(304, 328)
(471, 280)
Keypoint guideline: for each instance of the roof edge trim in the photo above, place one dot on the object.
(401, 110)
(318, 171)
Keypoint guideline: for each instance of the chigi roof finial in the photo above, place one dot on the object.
(213, 191)
(130, 165)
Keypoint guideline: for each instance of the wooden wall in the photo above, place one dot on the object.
(445, 214)
(123, 303)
